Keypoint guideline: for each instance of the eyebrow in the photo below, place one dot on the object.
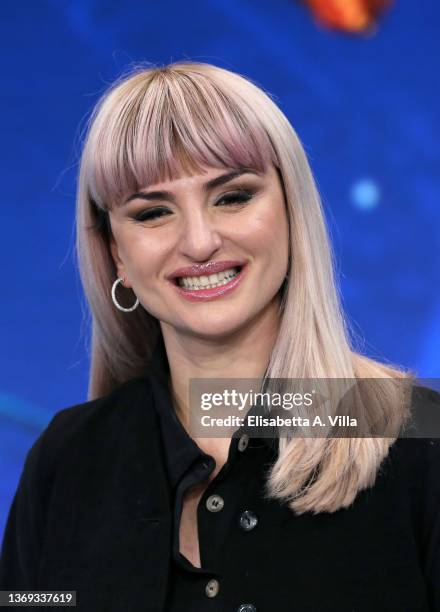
(211, 184)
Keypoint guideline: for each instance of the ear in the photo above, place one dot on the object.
(118, 262)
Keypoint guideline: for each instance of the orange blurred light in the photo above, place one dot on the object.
(348, 15)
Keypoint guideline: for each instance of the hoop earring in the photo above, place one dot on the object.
(115, 301)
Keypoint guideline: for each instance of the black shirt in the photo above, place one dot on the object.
(100, 491)
(380, 554)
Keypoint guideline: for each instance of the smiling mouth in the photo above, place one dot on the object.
(211, 281)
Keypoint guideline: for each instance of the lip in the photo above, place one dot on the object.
(206, 269)
(204, 295)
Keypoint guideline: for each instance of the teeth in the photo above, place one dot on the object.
(207, 282)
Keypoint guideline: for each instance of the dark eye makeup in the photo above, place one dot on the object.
(237, 197)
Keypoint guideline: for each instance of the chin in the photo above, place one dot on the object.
(216, 328)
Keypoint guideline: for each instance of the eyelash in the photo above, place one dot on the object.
(238, 197)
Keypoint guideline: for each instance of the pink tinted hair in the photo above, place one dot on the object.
(149, 126)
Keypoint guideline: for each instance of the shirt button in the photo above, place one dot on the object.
(247, 608)
(248, 520)
(215, 503)
(212, 588)
(243, 442)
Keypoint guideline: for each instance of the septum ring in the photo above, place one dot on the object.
(115, 301)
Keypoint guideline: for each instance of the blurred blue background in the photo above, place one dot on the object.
(365, 107)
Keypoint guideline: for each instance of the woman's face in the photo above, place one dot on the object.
(221, 215)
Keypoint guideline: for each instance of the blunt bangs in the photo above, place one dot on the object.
(161, 123)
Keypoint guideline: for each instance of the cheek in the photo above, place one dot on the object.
(142, 257)
(267, 232)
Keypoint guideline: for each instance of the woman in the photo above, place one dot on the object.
(204, 254)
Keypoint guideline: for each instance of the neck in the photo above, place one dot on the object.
(243, 354)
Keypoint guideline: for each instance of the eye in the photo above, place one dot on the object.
(151, 213)
(237, 197)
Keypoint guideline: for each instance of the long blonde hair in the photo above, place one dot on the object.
(149, 125)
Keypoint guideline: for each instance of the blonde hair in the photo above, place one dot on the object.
(149, 125)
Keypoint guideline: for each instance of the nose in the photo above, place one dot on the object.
(199, 238)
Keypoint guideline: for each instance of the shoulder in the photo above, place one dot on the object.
(424, 397)
(416, 460)
(420, 439)
(124, 402)
(90, 428)
(77, 450)
(415, 456)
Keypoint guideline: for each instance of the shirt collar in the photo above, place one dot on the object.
(181, 451)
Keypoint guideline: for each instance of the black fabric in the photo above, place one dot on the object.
(236, 557)
(99, 501)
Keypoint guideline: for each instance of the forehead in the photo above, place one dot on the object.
(203, 175)
(185, 175)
